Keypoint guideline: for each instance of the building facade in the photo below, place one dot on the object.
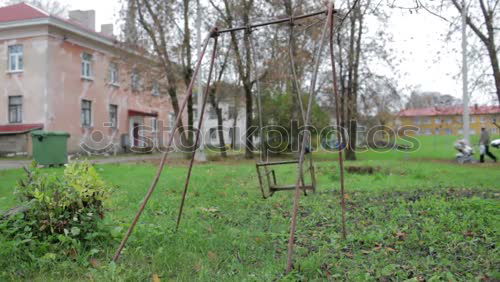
(449, 121)
(234, 125)
(62, 75)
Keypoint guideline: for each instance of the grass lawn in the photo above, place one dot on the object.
(410, 220)
(428, 148)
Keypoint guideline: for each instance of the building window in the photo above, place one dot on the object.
(171, 121)
(15, 109)
(417, 121)
(87, 66)
(472, 119)
(213, 134)
(154, 124)
(449, 121)
(448, 131)
(135, 80)
(428, 132)
(195, 113)
(427, 120)
(86, 113)
(113, 74)
(16, 58)
(438, 131)
(212, 114)
(113, 116)
(437, 121)
(484, 119)
(231, 112)
(155, 91)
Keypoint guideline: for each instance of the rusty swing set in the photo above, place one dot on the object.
(268, 180)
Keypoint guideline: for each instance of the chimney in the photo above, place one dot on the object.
(85, 18)
(107, 29)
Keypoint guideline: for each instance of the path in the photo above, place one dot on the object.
(16, 164)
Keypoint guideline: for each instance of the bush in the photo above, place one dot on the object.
(59, 209)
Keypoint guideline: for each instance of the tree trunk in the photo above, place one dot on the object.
(488, 39)
(188, 72)
(244, 68)
(220, 122)
(249, 118)
(292, 85)
(492, 52)
(235, 123)
(172, 93)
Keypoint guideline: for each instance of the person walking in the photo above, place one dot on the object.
(484, 145)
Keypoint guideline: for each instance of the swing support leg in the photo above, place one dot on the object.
(293, 225)
(164, 157)
(198, 132)
(331, 19)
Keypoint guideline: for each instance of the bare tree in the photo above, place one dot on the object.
(243, 60)
(155, 23)
(214, 102)
(187, 68)
(483, 26)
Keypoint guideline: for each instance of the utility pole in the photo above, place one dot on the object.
(200, 155)
(465, 75)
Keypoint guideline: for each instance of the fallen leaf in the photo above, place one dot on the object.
(156, 278)
(401, 235)
(377, 247)
(95, 263)
(212, 255)
(349, 255)
(390, 250)
(469, 234)
(366, 252)
(72, 253)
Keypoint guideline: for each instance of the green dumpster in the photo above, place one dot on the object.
(50, 147)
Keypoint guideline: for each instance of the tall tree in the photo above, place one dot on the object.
(156, 24)
(243, 60)
(187, 68)
(483, 25)
(349, 40)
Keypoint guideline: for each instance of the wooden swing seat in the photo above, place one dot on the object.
(268, 181)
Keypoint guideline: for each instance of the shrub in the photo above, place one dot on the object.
(63, 208)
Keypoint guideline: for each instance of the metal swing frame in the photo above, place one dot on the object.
(268, 181)
(214, 34)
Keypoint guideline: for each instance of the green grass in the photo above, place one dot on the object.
(429, 148)
(411, 219)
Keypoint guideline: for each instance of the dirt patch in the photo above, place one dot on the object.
(362, 170)
(230, 161)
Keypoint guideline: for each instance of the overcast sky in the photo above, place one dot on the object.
(418, 36)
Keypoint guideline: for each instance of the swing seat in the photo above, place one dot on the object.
(268, 181)
(290, 187)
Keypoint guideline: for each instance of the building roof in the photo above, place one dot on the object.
(20, 12)
(449, 111)
(19, 128)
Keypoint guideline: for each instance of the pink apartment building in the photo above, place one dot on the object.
(61, 75)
